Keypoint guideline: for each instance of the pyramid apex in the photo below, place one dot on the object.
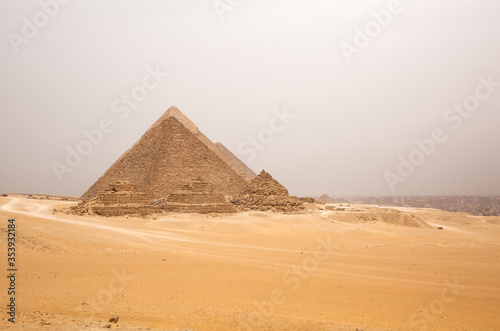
(172, 109)
(174, 112)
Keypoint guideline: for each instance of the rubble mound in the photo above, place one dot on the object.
(308, 200)
(264, 193)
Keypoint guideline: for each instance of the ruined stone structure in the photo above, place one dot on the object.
(170, 154)
(197, 196)
(265, 193)
(122, 198)
(122, 192)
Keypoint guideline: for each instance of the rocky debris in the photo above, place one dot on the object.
(334, 208)
(83, 208)
(114, 319)
(106, 325)
(308, 200)
(158, 202)
(265, 193)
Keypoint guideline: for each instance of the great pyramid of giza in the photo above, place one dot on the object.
(229, 158)
(171, 154)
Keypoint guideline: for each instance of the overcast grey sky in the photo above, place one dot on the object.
(233, 65)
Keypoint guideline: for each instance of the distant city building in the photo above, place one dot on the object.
(481, 206)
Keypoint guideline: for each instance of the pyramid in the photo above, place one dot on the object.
(171, 154)
(196, 196)
(120, 199)
(325, 199)
(234, 163)
(266, 193)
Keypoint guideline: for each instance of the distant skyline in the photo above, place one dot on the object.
(347, 98)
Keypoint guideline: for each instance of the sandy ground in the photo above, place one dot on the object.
(365, 268)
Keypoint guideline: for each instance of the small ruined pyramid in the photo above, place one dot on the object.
(266, 193)
(325, 199)
(196, 196)
(171, 154)
(121, 198)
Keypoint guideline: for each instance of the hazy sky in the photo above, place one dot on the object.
(359, 101)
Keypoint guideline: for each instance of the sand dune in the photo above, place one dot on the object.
(364, 268)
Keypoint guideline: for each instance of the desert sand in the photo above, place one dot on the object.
(363, 268)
